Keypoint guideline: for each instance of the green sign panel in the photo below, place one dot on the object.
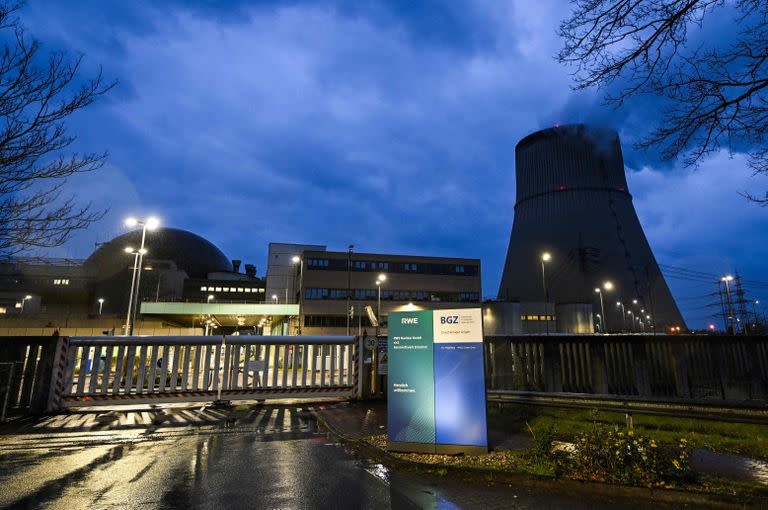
(411, 391)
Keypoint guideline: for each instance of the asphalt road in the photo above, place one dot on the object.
(275, 458)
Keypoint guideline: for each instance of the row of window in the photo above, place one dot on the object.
(231, 289)
(325, 321)
(537, 317)
(61, 281)
(390, 295)
(395, 267)
(330, 321)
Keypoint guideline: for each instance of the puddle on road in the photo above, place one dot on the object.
(730, 466)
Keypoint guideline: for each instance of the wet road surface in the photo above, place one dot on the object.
(272, 457)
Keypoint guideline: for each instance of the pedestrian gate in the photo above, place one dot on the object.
(109, 370)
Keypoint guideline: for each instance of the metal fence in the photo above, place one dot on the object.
(667, 368)
(26, 374)
(108, 370)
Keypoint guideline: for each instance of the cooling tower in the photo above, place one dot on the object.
(573, 203)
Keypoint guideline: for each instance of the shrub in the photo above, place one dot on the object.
(612, 455)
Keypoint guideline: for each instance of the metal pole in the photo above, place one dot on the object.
(138, 277)
(623, 319)
(101, 305)
(301, 291)
(349, 284)
(546, 304)
(378, 310)
(602, 310)
(130, 298)
(730, 307)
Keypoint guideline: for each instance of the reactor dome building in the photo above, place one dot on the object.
(573, 204)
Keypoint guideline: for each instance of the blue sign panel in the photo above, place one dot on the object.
(436, 393)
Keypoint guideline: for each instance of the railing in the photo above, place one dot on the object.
(106, 370)
(653, 368)
(26, 374)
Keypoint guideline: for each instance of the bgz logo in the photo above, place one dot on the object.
(449, 319)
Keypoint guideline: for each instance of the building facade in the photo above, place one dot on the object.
(334, 288)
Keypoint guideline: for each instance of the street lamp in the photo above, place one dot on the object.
(632, 327)
(607, 286)
(24, 300)
(101, 304)
(727, 279)
(150, 223)
(274, 298)
(602, 308)
(600, 322)
(379, 281)
(131, 251)
(298, 260)
(545, 257)
(623, 312)
(210, 297)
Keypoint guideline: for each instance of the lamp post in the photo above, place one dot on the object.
(128, 318)
(150, 223)
(545, 257)
(623, 313)
(600, 325)
(379, 281)
(274, 298)
(24, 300)
(298, 260)
(101, 304)
(632, 322)
(602, 308)
(210, 298)
(754, 310)
(349, 285)
(727, 279)
(607, 286)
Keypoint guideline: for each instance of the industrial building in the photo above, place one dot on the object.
(334, 288)
(180, 269)
(578, 259)
(188, 286)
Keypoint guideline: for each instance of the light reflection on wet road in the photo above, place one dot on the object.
(279, 462)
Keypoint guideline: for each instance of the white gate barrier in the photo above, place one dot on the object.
(110, 370)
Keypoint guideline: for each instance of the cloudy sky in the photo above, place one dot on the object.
(390, 126)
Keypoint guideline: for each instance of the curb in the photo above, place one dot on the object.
(544, 482)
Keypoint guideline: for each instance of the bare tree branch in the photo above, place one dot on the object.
(35, 102)
(718, 96)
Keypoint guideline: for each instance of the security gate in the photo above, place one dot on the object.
(111, 370)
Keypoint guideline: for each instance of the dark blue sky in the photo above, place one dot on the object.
(390, 126)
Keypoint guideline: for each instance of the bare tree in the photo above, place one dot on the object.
(716, 95)
(37, 94)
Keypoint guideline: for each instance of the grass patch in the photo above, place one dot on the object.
(739, 438)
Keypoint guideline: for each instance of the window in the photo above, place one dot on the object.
(360, 264)
(315, 293)
(247, 289)
(317, 263)
(203, 289)
(60, 281)
(325, 321)
(240, 289)
(218, 289)
(459, 269)
(412, 268)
